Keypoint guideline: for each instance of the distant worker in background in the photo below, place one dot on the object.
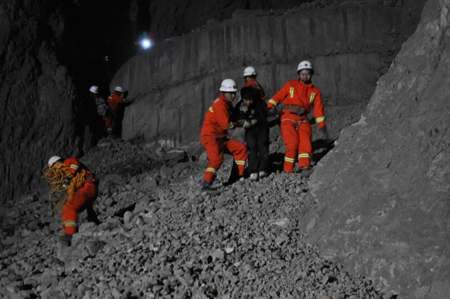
(299, 97)
(102, 108)
(250, 80)
(252, 109)
(80, 188)
(214, 136)
(115, 114)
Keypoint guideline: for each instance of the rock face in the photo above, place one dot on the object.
(47, 63)
(381, 195)
(169, 18)
(174, 83)
(35, 94)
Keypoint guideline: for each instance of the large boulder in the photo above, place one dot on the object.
(381, 196)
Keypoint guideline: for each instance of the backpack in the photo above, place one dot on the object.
(102, 108)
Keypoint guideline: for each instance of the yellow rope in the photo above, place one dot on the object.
(55, 175)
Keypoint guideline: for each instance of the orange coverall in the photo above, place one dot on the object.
(259, 90)
(110, 117)
(83, 199)
(295, 129)
(214, 138)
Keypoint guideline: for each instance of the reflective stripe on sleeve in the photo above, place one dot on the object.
(231, 126)
(73, 166)
(211, 109)
(320, 119)
(291, 91)
(311, 99)
(273, 102)
(240, 162)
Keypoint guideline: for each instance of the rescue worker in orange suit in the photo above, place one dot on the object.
(298, 98)
(111, 116)
(84, 185)
(214, 135)
(250, 80)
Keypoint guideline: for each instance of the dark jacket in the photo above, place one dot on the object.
(258, 111)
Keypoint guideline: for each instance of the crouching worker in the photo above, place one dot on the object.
(74, 189)
(254, 112)
(214, 136)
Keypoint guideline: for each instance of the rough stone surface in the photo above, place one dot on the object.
(167, 241)
(159, 238)
(380, 197)
(48, 61)
(173, 88)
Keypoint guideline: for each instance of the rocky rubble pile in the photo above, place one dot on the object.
(160, 239)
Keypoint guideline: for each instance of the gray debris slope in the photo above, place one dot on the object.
(160, 239)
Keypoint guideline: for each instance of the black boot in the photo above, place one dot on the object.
(305, 171)
(92, 216)
(65, 240)
(207, 189)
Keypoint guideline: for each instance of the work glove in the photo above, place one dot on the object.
(295, 109)
(243, 108)
(125, 94)
(244, 123)
(325, 133)
(272, 111)
(66, 183)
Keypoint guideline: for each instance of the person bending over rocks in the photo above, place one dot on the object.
(214, 136)
(80, 188)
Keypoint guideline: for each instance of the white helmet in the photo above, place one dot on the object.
(228, 85)
(93, 89)
(305, 65)
(249, 71)
(53, 160)
(118, 88)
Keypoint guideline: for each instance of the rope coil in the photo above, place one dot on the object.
(56, 175)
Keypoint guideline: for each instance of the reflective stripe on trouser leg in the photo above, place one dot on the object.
(69, 227)
(214, 151)
(109, 123)
(209, 174)
(290, 139)
(84, 196)
(304, 147)
(239, 152)
(302, 157)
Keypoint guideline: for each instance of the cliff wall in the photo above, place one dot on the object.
(381, 196)
(174, 83)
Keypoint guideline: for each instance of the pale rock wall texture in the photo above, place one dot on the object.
(174, 83)
(381, 196)
(169, 18)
